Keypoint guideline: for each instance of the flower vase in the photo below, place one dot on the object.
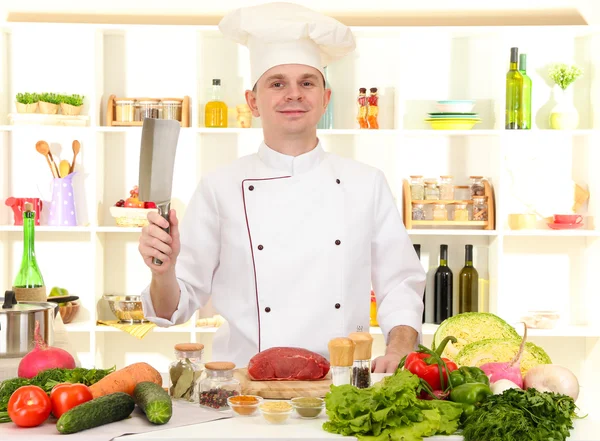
(564, 115)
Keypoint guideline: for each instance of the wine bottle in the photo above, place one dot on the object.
(525, 122)
(514, 91)
(468, 294)
(417, 248)
(29, 283)
(442, 308)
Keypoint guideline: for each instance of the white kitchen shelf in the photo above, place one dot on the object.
(172, 329)
(519, 270)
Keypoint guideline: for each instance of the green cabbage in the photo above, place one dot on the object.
(501, 350)
(470, 327)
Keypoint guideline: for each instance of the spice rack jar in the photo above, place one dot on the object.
(132, 111)
(435, 211)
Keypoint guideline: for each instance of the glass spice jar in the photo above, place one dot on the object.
(477, 188)
(185, 372)
(432, 191)
(418, 212)
(446, 188)
(439, 212)
(417, 188)
(361, 367)
(171, 109)
(124, 110)
(480, 209)
(461, 213)
(148, 109)
(218, 385)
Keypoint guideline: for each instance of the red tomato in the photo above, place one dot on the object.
(66, 396)
(29, 406)
(149, 205)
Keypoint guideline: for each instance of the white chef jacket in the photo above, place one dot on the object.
(288, 249)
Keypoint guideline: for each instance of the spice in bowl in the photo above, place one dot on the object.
(308, 407)
(276, 412)
(244, 404)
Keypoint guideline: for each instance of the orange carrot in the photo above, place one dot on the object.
(125, 380)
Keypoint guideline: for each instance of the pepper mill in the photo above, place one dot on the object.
(361, 367)
(341, 357)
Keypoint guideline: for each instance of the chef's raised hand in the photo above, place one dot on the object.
(155, 242)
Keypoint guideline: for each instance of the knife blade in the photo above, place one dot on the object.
(157, 162)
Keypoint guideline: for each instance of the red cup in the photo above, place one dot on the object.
(18, 205)
(568, 219)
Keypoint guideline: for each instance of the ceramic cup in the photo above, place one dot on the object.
(570, 219)
(521, 221)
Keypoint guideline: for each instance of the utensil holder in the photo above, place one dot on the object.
(62, 206)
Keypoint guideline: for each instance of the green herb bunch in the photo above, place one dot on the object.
(27, 98)
(52, 98)
(522, 415)
(564, 75)
(73, 100)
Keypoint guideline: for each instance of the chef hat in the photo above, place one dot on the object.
(286, 33)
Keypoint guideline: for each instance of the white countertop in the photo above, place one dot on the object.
(297, 429)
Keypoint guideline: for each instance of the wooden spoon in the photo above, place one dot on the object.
(76, 148)
(43, 148)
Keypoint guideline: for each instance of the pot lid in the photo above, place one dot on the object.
(9, 304)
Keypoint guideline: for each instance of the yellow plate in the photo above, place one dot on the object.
(452, 124)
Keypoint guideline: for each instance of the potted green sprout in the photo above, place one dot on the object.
(564, 115)
(27, 102)
(49, 103)
(71, 104)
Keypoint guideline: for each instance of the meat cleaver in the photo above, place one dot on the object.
(157, 160)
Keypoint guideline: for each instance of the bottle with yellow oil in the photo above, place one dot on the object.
(373, 312)
(215, 111)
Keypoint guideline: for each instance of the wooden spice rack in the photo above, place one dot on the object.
(111, 112)
(407, 203)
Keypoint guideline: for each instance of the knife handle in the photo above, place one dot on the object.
(163, 210)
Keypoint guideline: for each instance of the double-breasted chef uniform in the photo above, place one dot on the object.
(288, 249)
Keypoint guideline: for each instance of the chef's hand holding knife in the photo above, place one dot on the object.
(157, 243)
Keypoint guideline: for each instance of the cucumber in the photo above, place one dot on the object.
(97, 412)
(154, 401)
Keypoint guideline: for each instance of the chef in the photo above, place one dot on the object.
(287, 242)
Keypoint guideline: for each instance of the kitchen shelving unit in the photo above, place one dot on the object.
(519, 270)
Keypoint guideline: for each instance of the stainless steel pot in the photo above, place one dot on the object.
(17, 325)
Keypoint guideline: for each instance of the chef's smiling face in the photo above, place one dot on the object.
(289, 98)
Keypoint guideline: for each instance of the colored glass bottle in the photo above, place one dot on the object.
(29, 283)
(525, 122)
(514, 92)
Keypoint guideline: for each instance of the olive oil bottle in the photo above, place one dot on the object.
(525, 122)
(514, 92)
(468, 294)
(215, 110)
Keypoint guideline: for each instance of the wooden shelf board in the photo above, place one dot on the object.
(456, 223)
(440, 201)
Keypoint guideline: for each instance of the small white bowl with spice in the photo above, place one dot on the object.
(276, 411)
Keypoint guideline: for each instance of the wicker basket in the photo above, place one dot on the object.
(131, 217)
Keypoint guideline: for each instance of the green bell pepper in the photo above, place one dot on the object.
(469, 394)
(467, 375)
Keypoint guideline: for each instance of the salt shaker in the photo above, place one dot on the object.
(361, 367)
(341, 357)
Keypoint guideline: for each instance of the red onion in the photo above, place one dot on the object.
(44, 357)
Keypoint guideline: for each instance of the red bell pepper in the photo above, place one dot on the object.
(431, 367)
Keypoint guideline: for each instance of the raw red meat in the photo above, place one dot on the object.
(287, 364)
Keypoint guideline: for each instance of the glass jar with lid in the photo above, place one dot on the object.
(480, 209)
(446, 188)
(417, 188)
(124, 110)
(171, 109)
(439, 212)
(461, 213)
(218, 385)
(148, 108)
(477, 188)
(186, 371)
(418, 212)
(432, 191)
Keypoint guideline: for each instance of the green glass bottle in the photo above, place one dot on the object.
(514, 92)
(29, 283)
(468, 291)
(525, 123)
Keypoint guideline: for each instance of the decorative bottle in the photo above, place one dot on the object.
(29, 284)
(525, 121)
(514, 92)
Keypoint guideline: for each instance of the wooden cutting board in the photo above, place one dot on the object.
(278, 389)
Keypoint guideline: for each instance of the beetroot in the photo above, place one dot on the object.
(44, 357)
